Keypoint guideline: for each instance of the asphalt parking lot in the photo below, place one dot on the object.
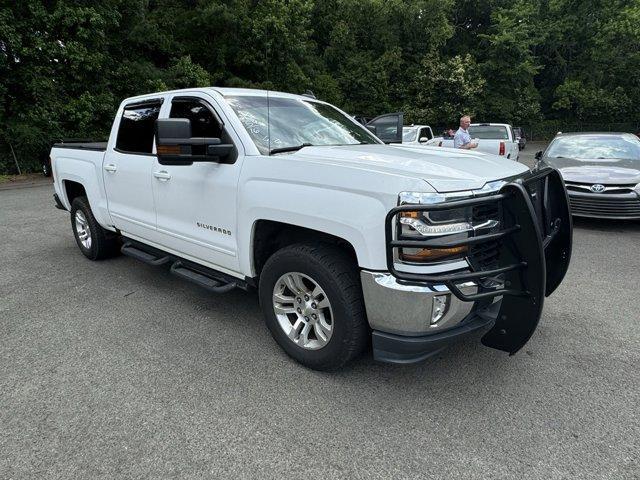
(116, 369)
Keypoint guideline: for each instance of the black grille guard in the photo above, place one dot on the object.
(535, 241)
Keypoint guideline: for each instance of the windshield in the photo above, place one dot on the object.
(409, 134)
(595, 147)
(488, 132)
(292, 122)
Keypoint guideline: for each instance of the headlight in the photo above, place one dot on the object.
(637, 188)
(454, 223)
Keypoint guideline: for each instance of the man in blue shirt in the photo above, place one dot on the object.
(462, 139)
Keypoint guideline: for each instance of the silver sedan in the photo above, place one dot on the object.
(601, 172)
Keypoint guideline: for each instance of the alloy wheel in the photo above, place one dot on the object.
(303, 310)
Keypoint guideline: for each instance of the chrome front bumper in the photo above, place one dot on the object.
(406, 309)
(400, 317)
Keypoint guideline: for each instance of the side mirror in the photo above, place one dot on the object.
(172, 129)
(175, 145)
(219, 150)
(423, 140)
(538, 155)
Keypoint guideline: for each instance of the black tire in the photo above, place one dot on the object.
(104, 244)
(338, 276)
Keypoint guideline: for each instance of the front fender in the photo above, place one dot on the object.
(351, 216)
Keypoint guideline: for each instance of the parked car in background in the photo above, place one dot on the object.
(349, 242)
(45, 162)
(416, 134)
(494, 138)
(520, 137)
(387, 127)
(601, 172)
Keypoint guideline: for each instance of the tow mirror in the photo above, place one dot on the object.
(172, 129)
(218, 149)
(538, 155)
(176, 146)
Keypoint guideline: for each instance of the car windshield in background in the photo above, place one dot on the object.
(282, 123)
(595, 147)
(409, 134)
(488, 132)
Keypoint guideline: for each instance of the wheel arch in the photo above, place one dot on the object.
(73, 190)
(269, 236)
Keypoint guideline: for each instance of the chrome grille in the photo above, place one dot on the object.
(605, 206)
(485, 255)
(586, 187)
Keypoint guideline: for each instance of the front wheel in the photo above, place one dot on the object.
(311, 298)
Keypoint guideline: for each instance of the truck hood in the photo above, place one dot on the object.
(604, 171)
(446, 170)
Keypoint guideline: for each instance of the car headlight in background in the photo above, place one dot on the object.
(454, 223)
(637, 188)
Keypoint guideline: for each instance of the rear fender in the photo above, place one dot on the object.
(88, 174)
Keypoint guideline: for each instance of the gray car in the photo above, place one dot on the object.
(601, 172)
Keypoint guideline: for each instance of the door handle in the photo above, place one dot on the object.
(111, 168)
(162, 175)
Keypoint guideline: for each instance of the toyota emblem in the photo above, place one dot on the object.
(597, 188)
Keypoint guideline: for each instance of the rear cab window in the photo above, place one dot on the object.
(137, 127)
(489, 132)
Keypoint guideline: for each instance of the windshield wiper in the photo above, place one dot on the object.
(294, 148)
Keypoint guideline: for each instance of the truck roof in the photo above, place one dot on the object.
(224, 91)
(485, 124)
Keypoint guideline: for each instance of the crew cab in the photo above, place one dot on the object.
(348, 241)
(493, 138)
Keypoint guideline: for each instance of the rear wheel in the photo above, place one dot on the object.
(94, 241)
(311, 298)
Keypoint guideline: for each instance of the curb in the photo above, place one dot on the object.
(28, 184)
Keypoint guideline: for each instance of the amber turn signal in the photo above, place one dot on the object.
(430, 254)
(168, 149)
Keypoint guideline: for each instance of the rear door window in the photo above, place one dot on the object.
(137, 127)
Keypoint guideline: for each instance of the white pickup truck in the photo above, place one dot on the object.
(416, 134)
(350, 242)
(493, 138)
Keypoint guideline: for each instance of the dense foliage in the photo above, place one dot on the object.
(65, 65)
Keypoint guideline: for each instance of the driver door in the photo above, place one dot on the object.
(387, 127)
(196, 203)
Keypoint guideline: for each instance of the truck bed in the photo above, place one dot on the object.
(95, 146)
